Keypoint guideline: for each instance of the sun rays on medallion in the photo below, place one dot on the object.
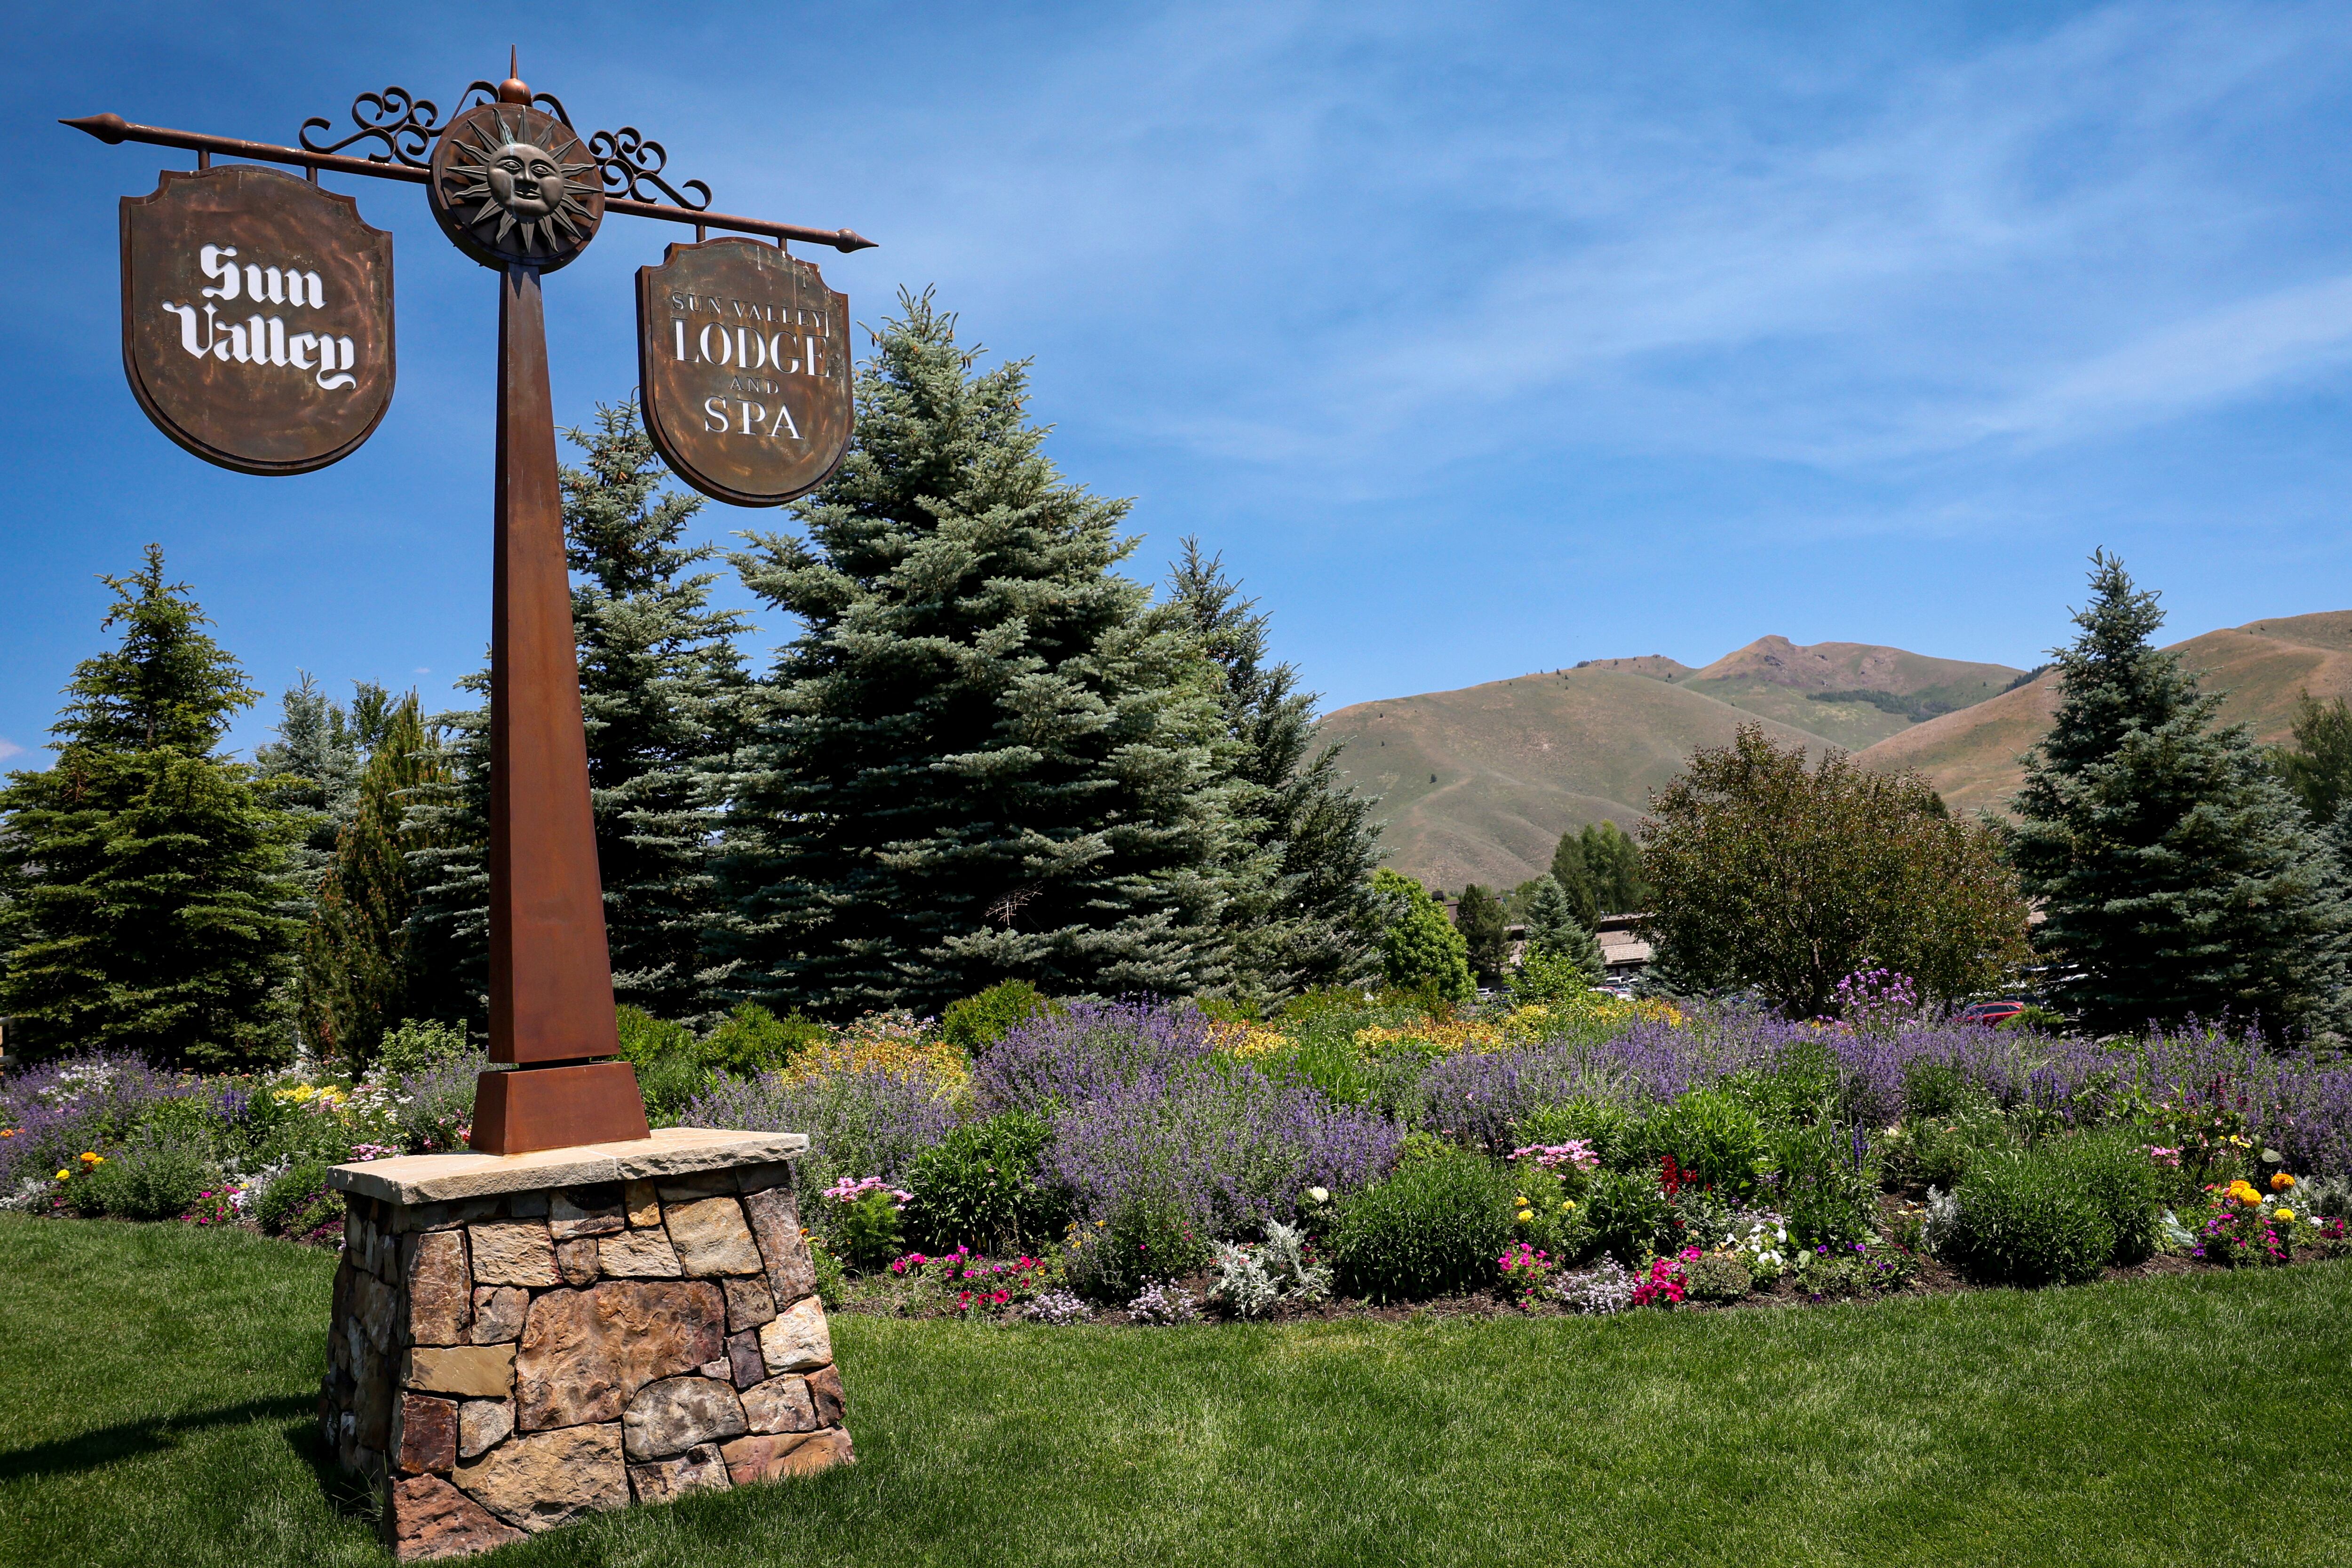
(522, 188)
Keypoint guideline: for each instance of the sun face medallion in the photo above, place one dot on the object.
(512, 186)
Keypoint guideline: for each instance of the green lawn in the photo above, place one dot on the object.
(156, 1382)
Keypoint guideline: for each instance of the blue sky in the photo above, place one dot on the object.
(1479, 339)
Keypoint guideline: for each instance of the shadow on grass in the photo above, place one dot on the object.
(347, 1493)
(133, 1439)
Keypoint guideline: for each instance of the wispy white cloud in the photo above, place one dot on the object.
(9, 748)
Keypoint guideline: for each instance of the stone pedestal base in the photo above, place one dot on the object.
(519, 1340)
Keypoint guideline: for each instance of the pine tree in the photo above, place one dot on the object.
(1575, 878)
(661, 690)
(1420, 948)
(2177, 875)
(983, 758)
(2318, 766)
(357, 978)
(313, 767)
(1480, 918)
(141, 873)
(1299, 913)
(1553, 928)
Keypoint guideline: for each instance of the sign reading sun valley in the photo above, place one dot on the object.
(743, 366)
(257, 318)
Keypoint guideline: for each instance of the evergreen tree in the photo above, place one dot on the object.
(1299, 912)
(1612, 860)
(141, 872)
(357, 980)
(2318, 766)
(984, 758)
(1420, 948)
(1553, 928)
(2176, 874)
(661, 691)
(662, 687)
(314, 767)
(1576, 879)
(1479, 917)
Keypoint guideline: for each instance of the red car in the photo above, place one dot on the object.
(1991, 1015)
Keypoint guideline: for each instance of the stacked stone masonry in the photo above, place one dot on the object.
(505, 1363)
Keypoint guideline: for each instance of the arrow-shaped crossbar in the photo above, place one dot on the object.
(113, 129)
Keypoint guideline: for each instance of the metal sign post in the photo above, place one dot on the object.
(306, 375)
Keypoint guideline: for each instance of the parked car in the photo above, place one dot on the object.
(1991, 1015)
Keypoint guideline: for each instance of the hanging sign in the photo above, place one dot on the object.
(744, 368)
(257, 318)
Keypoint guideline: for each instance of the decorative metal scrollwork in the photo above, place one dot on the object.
(630, 162)
(406, 125)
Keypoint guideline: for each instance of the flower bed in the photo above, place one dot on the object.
(1149, 1163)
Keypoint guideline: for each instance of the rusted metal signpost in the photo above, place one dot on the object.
(256, 332)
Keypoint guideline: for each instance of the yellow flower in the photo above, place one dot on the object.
(63, 1175)
(2282, 1214)
(1526, 1215)
(90, 1159)
(2282, 1182)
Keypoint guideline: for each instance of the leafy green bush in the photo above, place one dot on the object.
(1801, 1087)
(2039, 1019)
(419, 1046)
(1932, 1087)
(1718, 1277)
(978, 1022)
(669, 1062)
(158, 1175)
(1825, 1180)
(2115, 1173)
(753, 1040)
(1605, 1128)
(1433, 1228)
(2024, 1219)
(297, 1201)
(1715, 1138)
(1141, 1243)
(1937, 1149)
(1630, 1215)
(979, 1187)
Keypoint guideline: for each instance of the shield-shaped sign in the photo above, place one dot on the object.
(257, 318)
(744, 368)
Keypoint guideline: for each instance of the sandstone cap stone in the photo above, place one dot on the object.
(671, 1152)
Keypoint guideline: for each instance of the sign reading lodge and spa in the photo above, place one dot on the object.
(743, 366)
(257, 318)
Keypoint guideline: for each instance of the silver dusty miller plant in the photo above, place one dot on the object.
(1252, 1279)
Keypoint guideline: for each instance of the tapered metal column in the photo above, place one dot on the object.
(550, 970)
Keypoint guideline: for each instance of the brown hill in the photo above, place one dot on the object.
(2261, 667)
(1479, 784)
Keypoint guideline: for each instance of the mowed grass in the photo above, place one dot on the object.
(156, 1385)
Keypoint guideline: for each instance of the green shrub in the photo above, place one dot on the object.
(1142, 1243)
(1603, 1127)
(831, 1282)
(1715, 1138)
(297, 1201)
(1825, 1180)
(2040, 1020)
(1630, 1215)
(1936, 1151)
(751, 1040)
(157, 1175)
(2023, 1219)
(1802, 1086)
(1932, 1087)
(1433, 1228)
(417, 1047)
(979, 1187)
(2115, 1173)
(978, 1022)
(1718, 1277)
(670, 1067)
